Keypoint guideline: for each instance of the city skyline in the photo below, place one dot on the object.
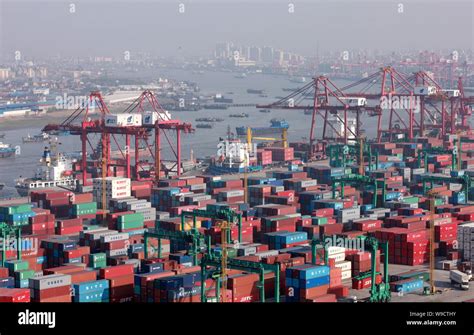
(99, 28)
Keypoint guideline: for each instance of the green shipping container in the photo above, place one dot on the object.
(318, 221)
(24, 274)
(130, 224)
(411, 200)
(99, 265)
(16, 209)
(98, 257)
(131, 218)
(17, 265)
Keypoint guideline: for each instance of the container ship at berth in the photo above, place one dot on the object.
(55, 170)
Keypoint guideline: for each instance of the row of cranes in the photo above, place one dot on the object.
(405, 106)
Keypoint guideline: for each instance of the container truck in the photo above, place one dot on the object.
(460, 279)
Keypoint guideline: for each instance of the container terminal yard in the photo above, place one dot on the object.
(339, 218)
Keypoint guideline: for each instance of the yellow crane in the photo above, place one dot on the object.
(284, 137)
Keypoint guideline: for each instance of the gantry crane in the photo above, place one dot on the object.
(7, 231)
(146, 101)
(339, 154)
(355, 179)
(465, 180)
(436, 151)
(283, 138)
(378, 292)
(431, 196)
(214, 260)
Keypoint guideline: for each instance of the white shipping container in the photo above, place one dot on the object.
(450, 93)
(344, 265)
(115, 237)
(346, 274)
(150, 117)
(355, 101)
(425, 90)
(335, 250)
(236, 193)
(307, 183)
(50, 281)
(123, 120)
(338, 257)
(117, 252)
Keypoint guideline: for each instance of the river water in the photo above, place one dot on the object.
(204, 141)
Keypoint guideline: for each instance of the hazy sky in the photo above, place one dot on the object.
(105, 27)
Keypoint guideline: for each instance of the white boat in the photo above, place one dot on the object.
(299, 80)
(55, 170)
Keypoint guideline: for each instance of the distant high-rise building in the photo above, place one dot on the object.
(255, 54)
(267, 55)
(278, 57)
(223, 50)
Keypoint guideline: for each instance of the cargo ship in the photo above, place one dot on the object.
(241, 115)
(6, 150)
(204, 125)
(35, 138)
(55, 170)
(219, 98)
(276, 126)
(209, 119)
(215, 106)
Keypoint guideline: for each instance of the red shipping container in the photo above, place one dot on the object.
(38, 295)
(324, 298)
(116, 271)
(14, 295)
(63, 298)
(313, 292)
(83, 276)
(3, 272)
(68, 230)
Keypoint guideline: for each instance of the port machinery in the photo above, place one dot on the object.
(385, 94)
(142, 134)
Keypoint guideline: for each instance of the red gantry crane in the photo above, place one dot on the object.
(140, 133)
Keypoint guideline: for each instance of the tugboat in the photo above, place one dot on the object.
(36, 138)
(2, 135)
(2, 185)
(55, 170)
(6, 150)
